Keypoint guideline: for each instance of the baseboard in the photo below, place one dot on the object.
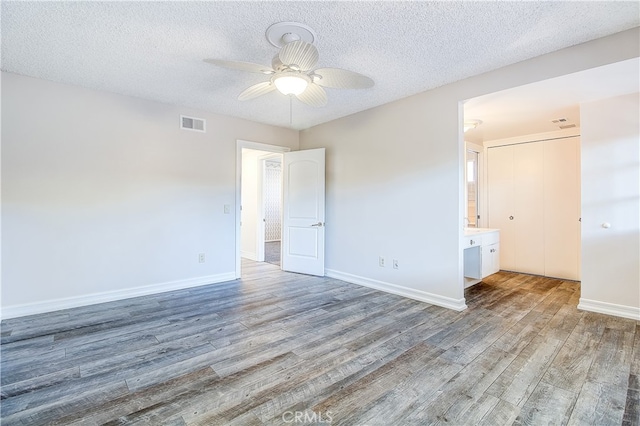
(609, 309)
(249, 255)
(422, 296)
(92, 299)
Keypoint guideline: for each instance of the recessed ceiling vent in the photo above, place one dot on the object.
(563, 123)
(192, 123)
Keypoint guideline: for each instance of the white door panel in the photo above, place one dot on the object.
(562, 208)
(303, 211)
(528, 211)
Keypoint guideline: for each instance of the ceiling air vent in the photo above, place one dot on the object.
(192, 123)
(563, 123)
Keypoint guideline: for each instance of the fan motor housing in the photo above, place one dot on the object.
(282, 33)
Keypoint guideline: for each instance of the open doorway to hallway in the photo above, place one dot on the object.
(261, 206)
(259, 227)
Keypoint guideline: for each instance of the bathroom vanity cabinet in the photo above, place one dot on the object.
(481, 254)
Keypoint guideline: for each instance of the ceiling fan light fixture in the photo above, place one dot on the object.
(291, 84)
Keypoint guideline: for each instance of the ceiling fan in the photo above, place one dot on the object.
(293, 69)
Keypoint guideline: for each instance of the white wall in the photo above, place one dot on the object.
(393, 191)
(104, 197)
(249, 213)
(395, 178)
(611, 194)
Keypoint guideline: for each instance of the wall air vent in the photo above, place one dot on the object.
(192, 123)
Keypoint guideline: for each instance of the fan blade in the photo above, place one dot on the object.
(300, 54)
(243, 66)
(313, 95)
(256, 90)
(342, 79)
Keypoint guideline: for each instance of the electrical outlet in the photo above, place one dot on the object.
(395, 263)
(381, 261)
(201, 258)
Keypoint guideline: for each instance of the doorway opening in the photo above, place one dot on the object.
(258, 203)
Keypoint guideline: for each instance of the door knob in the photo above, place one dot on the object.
(319, 224)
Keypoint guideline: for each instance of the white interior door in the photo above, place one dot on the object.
(303, 212)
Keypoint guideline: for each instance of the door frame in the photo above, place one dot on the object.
(240, 144)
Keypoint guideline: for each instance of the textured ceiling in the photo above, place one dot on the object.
(154, 50)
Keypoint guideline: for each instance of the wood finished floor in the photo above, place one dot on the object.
(275, 345)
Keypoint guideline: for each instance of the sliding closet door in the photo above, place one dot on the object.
(562, 208)
(534, 199)
(500, 202)
(528, 207)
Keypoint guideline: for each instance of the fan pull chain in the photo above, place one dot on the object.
(290, 110)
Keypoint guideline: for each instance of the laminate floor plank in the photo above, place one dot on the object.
(274, 344)
(518, 336)
(395, 402)
(457, 330)
(612, 363)
(599, 404)
(635, 356)
(266, 395)
(365, 394)
(562, 324)
(547, 405)
(114, 375)
(632, 405)
(470, 347)
(503, 413)
(519, 380)
(136, 405)
(216, 393)
(466, 388)
(324, 386)
(570, 367)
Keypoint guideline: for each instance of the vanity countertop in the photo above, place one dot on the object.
(475, 231)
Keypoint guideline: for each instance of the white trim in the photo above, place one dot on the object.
(109, 296)
(422, 296)
(623, 311)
